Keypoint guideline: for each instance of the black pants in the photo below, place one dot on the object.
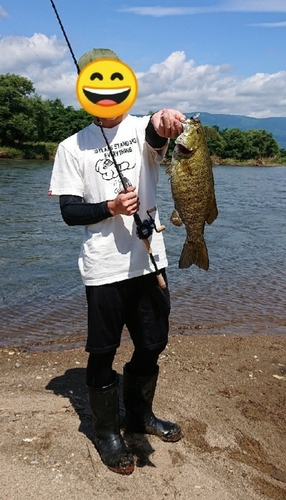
(141, 305)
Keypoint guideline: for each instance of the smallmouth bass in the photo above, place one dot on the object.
(192, 187)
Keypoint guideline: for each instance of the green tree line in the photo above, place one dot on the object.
(241, 146)
(27, 119)
(25, 116)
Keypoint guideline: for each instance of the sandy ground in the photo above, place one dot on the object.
(227, 393)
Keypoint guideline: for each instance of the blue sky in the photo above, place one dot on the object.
(217, 56)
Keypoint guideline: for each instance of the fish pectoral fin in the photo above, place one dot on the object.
(213, 213)
(176, 219)
(168, 170)
(194, 253)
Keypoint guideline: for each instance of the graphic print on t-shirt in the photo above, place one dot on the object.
(106, 168)
(108, 172)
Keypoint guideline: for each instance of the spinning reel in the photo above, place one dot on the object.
(146, 227)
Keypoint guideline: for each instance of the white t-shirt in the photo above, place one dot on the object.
(111, 250)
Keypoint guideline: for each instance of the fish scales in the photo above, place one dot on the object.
(193, 192)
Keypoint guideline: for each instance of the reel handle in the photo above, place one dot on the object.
(160, 229)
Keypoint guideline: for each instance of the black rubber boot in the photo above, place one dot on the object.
(104, 404)
(138, 394)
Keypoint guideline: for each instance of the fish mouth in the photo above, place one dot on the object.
(106, 97)
(184, 151)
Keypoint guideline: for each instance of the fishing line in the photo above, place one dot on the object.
(25, 41)
(145, 227)
(122, 179)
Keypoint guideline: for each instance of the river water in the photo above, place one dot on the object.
(42, 302)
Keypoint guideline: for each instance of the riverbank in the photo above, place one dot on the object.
(227, 393)
(29, 151)
(47, 151)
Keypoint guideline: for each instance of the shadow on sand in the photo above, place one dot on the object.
(72, 385)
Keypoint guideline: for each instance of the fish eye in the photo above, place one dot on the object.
(96, 75)
(116, 75)
(198, 131)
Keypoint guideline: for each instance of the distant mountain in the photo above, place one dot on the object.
(276, 125)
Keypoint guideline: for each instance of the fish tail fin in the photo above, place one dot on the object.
(194, 253)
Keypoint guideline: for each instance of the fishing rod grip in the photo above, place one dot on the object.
(160, 229)
(160, 279)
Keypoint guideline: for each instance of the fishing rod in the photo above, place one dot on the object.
(144, 229)
(65, 35)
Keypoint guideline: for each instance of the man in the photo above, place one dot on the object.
(121, 286)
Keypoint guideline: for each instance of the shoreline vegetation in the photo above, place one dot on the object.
(47, 150)
(31, 128)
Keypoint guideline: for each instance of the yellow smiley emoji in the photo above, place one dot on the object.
(106, 88)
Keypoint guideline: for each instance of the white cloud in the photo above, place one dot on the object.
(20, 51)
(175, 82)
(180, 83)
(41, 60)
(164, 11)
(281, 24)
(253, 6)
(224, 6)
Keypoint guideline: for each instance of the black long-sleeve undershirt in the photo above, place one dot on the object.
(154, 140)
(76, 212)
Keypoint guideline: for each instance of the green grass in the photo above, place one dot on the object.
(30, 151)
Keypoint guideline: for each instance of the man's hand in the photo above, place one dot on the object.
(125, 203)
(168, 122)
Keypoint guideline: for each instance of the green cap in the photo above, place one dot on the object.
(95, 54)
